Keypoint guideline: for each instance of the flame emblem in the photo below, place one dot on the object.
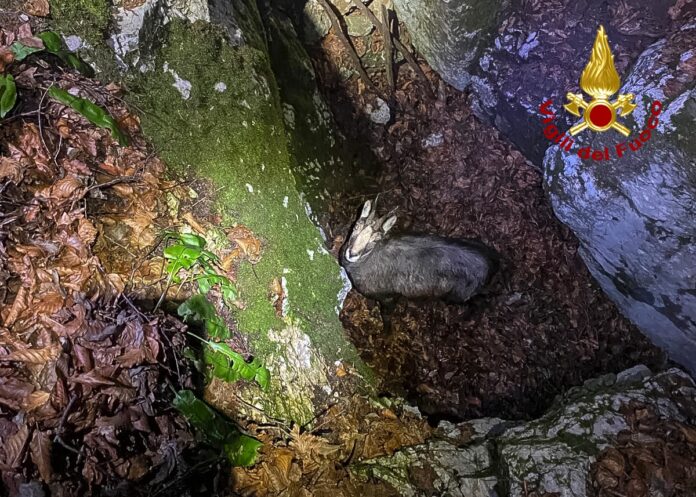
(600, 80)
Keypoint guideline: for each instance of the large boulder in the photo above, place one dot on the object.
(200, 71)
(513, 56)
(552, 455)
(635, 215)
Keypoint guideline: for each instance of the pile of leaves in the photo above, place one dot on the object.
(87, 378)
(304, 461)
(544, 326)
(653, 457)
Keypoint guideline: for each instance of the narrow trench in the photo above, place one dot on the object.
(543, 326)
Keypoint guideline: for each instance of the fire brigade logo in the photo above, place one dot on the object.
(600, 80)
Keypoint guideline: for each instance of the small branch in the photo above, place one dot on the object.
(388, 48)
(121, 179)
(400, 46)
(348, 46)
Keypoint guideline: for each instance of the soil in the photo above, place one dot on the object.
(544, 324)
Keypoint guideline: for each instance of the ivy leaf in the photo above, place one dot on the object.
(241, 450)
(8, 94)
(91, 111)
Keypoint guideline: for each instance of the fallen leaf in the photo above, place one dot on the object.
(38, 8)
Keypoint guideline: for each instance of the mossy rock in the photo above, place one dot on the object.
(211, 108)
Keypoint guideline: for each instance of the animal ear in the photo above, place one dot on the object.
(365, 210)
(388, 224)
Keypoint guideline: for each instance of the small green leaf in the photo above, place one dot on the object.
(8, 94)
(180, 257)
(52, 41)
(229, 365)
(22, 51)
(94, 114)
(198, 309)
(241, 450)
(192, 240)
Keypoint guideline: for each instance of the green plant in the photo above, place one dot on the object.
(227, 364)
(188, 252)
(240, 449)
(8, 94)
(91, 111)
(52, 43)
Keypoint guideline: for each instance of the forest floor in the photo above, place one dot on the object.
(544, 325)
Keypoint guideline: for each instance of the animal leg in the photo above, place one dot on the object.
(386, 310)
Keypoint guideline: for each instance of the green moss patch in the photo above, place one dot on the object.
(212, 110)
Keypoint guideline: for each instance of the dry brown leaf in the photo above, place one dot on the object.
(132, 4)
(40, 450)
(50, 303)
(35, 400)
(18, 306)
(14, 447)
(247, 244)
(86, 231)
(11, 169)
(277, 296)
(63, 189)
(38, 8)
(33, 356)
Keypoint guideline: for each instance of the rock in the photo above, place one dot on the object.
(380, 114)
(358, 24)
(450, 35)
(202, 75)
(634, 215)
(552, 454)
(316, 22)
(318, 148)
(514, 59)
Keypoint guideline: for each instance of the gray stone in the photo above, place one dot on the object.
(634, 215)
(316, 21)
(358, 24)
(552, 454)
(450, 35)
(635, 374)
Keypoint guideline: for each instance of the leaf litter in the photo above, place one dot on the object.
(95, 387)
(87, 374)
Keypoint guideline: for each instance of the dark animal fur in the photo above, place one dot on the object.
(422, 266)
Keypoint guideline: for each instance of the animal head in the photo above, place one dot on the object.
(367, 232)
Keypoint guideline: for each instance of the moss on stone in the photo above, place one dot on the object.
(88, 19)
(235, 137)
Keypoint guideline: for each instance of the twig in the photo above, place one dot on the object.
(400, 46)
(349, 47)
(61, 426)
(48, 151)
(121, 179)
(388, 48)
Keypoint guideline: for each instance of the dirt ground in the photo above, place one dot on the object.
(544, 325)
